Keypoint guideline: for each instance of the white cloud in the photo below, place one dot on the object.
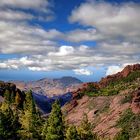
(18, 36)
(25, 4)
(116, 33)
(81, 35)
(26, 39)
(19, 10)
(83, 72)
(117, 68)
(114, 69)
(5, 66)
(14, 15)
(63, 51)
(111, 21)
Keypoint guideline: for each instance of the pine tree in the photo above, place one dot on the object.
(31, 119)
(55, 128)
(29, 102)
(72, 134)
(85, 130)
(44, 130)
(2, 125)
(9, 125)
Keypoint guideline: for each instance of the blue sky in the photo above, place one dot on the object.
(87, 39)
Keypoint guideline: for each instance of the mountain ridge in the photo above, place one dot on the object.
(50, 87)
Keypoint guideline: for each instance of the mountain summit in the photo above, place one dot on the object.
(50, 87)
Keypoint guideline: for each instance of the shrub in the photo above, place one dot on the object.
(127, 99)
(130, 122)
(123, 135)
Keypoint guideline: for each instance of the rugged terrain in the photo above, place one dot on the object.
(112, 105)
(50, 87)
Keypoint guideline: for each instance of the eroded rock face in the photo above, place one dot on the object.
(136, 101)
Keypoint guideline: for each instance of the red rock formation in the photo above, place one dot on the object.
(107, 80)
(124, 73)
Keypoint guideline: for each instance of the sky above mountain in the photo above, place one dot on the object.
(87, 39)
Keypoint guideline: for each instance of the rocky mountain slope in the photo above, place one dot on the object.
(112, 105)
(50, 87)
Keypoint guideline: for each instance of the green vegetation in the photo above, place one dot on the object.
(130, 124)
(9, 125)
(30, 119)
(55, 125)
(127, 99)
(90, 90)
(123, 135)
(27, 124)
(20, 119)
(85, 130)
(130, 82)
(72, 134)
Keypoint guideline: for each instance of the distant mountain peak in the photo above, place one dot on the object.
(50, 87)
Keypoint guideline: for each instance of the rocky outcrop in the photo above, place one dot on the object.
(124, 73)
(136, 101)
(107, 80)
(7, 85)
(9, 92)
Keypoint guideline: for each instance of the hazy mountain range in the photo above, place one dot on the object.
(50, 87)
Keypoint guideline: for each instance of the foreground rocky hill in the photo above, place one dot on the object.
(112, 105)
(50, 87)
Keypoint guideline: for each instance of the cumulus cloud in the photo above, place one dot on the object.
(19, 10)
(115, 29)
(83, 72)
(68, 58)
(18, 36)
(111, 21)
(6, 66)
(79, 35)
(114, 69)
(117, 68)
(14, 15)
(25, 4)
(26, 39)
(63, 51)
